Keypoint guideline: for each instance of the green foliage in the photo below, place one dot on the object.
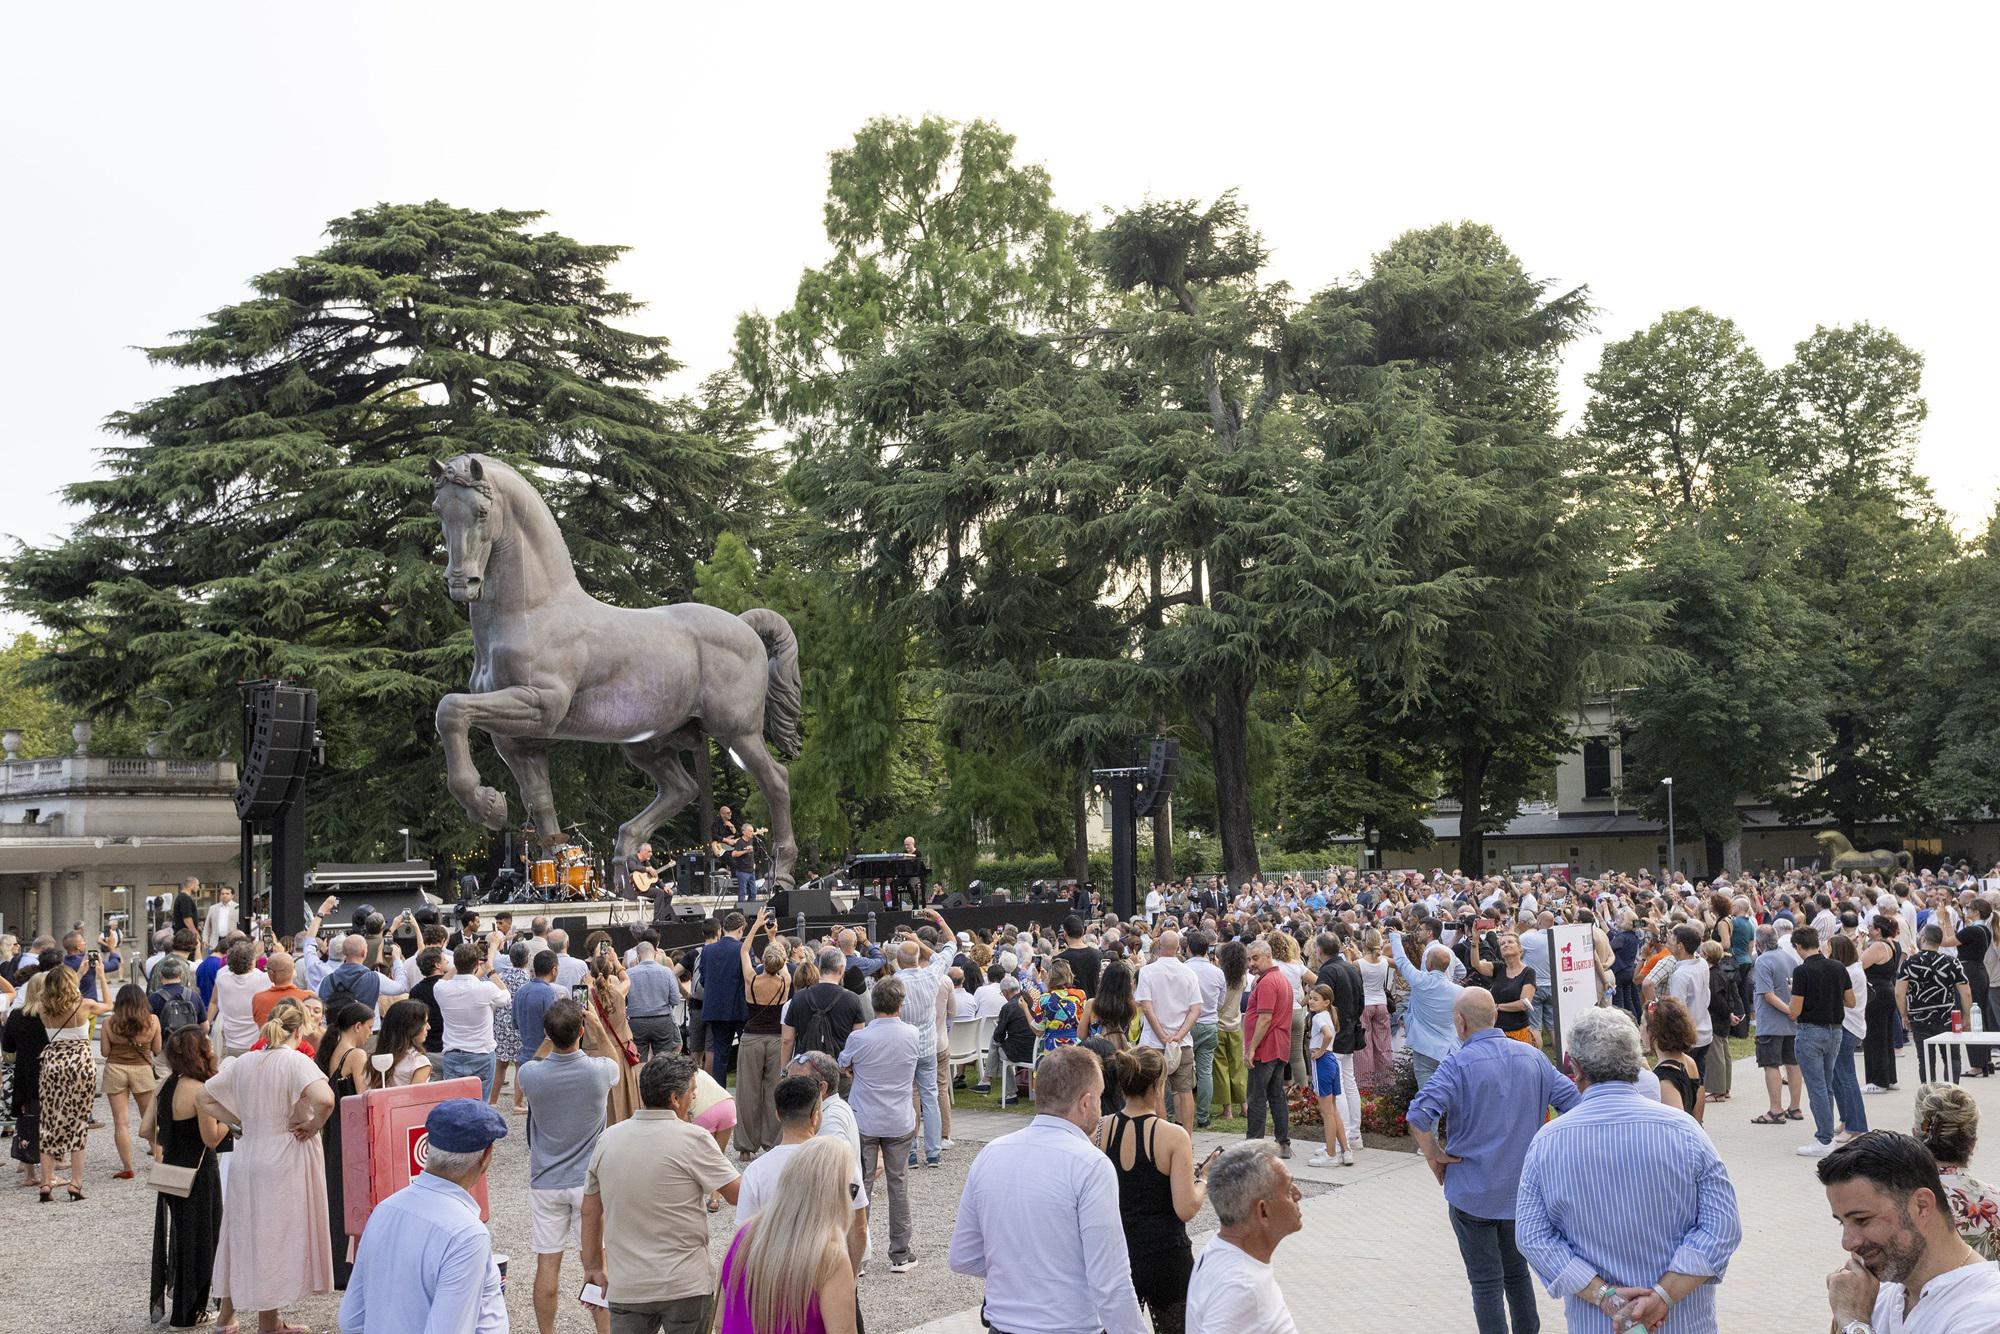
(1952, 723)
(1738, 701)
(271, 515)
(1853, 404)
(1677, 405)
(1348, 769)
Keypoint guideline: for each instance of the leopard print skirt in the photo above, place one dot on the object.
(69, 1086)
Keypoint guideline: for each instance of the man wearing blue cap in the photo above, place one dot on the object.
(426, 1261)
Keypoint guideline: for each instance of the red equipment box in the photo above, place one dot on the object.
(382, 1143)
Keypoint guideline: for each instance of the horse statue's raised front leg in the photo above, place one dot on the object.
(673, 788)
(519, 711)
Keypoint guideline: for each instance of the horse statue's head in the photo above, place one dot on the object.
(464, 506)
(1833, 840)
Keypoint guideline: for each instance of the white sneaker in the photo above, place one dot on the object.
(1347, 1158)
(1873, 1088)
(1354, 1143)
(944, 1144)
(903, 1266)
(1813, 1149)
(1322, 1160)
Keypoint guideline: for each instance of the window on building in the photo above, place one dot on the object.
(1596, 767)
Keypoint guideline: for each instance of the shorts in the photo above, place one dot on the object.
(1181, 1079)
(133, 1079)
(1776, 1050)
(555, 1219)
(718, 1118)
(1326, 1076)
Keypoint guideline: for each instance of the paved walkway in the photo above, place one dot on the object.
(1378, 1254)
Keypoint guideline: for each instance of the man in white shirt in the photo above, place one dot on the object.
(1233, 1290)
(1207, 1029)
(220, 919)
(1688, 984)
(1156, 903)
(1039, 1217)
(570, 970)
(797, 1102)
(467, 1001)
(1907, 1270)
(1169, 997)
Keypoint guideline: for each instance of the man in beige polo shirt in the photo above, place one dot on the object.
(645, 1215)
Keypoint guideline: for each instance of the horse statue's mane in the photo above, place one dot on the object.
(1835, 840)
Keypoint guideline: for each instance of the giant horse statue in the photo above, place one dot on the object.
(1844, 857)
(552, 663)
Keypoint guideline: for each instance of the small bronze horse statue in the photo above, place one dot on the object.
(1844, 857)
(552, 663)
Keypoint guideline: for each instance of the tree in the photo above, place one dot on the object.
(1469, 564)
(1677, 404)
(942, 245)
(1853, 404)
(1736, 704)
(1348, 768)
(1951, 730)
(270, 517)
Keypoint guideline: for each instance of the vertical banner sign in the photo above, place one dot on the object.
(1574, 968)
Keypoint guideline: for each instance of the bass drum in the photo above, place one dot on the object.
(542, 874)
(576, 880)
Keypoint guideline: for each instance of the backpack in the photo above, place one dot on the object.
(177, 1012)
(340, 991)
(817, 1033)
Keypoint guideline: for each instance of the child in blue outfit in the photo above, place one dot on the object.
(1325, 1023)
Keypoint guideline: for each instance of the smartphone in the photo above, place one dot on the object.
(592, 1295)
(1202, 1171)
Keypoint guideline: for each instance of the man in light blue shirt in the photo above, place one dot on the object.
(1496, 1093)
(1039, 1217)
(886, 1058)
(1624, 1198)
(1777, 1034)
(426, 1261)
(1427, 1022)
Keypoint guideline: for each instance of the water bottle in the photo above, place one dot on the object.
(1978, 1020)
(1619, 1304)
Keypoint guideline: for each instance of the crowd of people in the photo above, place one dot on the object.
(799, 1081)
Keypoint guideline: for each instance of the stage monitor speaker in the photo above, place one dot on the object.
(576, 928)
(954, 901)
(278, 740)
(787, 904)
(864, 905)
(689, 912)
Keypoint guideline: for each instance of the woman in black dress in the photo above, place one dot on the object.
(1973, 938)
(343, 1058)
(1881, 961)
(1159, 1187)
(24, 1038)
(185, 1230)
(1673, 1033)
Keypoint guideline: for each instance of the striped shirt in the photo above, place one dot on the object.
(1628, 1190)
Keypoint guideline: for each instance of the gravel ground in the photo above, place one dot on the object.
(107, 1247)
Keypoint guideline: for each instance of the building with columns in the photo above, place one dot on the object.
(86, 839)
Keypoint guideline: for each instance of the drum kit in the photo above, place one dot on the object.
(569, 873)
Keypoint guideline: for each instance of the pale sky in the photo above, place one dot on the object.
(1782, 165)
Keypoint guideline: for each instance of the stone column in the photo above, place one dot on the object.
(45, 905)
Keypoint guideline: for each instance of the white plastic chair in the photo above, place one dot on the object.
(969, 1038)
(1008, 1069)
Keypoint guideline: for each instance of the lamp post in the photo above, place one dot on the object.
(406, 843)
(1672, 863)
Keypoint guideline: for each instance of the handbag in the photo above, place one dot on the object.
(628, 1047)
(170, 1180)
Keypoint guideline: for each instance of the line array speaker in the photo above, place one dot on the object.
(279, 738)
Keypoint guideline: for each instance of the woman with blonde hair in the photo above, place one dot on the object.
(759, 1049)
(1948, 1125)
(1285, 954)
(788, 1271)
(69, 1075)
(128, 1039)
(276, 1243)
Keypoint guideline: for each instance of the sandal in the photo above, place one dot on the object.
(1768, 1119)
(1794, 1114)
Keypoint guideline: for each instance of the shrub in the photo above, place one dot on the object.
(1386, 1110)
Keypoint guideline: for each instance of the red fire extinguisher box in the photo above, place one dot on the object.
(383, 1145)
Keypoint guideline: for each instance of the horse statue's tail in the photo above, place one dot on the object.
(783, 698)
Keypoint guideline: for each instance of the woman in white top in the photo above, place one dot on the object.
(398, 1058)
(1372, 1058)
(1853, 1026)
(1285, 954)
(230, 1002)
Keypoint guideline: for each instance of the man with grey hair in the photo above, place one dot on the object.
(1661, 1239)
(1233, 1289)
(1169, 997)
(1039, 1220)
(1427, 1023)
(653, 1003)
(570, 970)
(823, 1016)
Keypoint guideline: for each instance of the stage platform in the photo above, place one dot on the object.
(624, 919)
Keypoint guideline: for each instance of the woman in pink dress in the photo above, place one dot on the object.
(788, 1270)
(275, 1245)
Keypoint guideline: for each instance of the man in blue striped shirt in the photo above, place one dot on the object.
(1624, 1199)
(1496, 1093)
